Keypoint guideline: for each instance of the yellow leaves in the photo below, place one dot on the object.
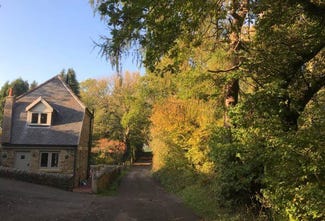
(182, 126)
(173, 114)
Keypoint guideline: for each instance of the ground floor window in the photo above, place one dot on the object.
(49, 159)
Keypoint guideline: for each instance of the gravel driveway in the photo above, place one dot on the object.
(139, 198)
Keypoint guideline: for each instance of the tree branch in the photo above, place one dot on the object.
(225, 70)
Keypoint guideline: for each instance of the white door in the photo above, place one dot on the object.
(22, 160)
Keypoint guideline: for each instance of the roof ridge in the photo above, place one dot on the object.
(64, 84)
(38, 86)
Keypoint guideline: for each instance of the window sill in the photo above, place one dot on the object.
(38, 125)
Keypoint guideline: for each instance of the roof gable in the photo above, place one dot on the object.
(66, 86)
(66, 125)
(40, 102)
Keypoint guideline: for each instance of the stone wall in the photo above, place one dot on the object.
(62, 181)
(103, 175)
(7, 158)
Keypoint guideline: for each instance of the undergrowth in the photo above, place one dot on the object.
(200, 196)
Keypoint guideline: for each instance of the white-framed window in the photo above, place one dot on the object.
(39, 119)
(39, 113)
(49, 160)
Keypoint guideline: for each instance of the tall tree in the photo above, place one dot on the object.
(279, 66)
(128, 113)
(288, 56)
(71, 79)
(33, 85)
(95, 95)
(120, 111)
(19, 86)
(156, 27)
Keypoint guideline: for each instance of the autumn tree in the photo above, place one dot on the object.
(129, 114)
(120, 111)
(157, 27)
(263, 62)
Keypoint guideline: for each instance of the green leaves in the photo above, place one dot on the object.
(201, 57)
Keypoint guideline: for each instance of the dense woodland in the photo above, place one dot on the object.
(232, 103)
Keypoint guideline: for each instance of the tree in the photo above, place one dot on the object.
(33, 85)
(95, 95)
(121, 113)
(70, 78)
(19, 86)
(273, 80)
(157, 27)
(287, 65)
(288, 53)
(128, 114)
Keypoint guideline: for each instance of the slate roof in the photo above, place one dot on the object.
(67, 117)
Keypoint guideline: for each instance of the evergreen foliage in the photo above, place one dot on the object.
(70, 78)
(19, 87)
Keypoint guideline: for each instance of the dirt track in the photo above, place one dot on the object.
(139, 198)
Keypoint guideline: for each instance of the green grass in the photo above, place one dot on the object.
(201, 199)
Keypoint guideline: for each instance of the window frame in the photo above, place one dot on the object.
(49, 162)
(43, 114)
(39, 119)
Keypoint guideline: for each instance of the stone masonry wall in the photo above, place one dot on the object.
(103, 175)
(63, 181)
(81, 165)
(7, 158)
(81, 171)
(66, 160)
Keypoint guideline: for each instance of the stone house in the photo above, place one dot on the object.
(47, 129)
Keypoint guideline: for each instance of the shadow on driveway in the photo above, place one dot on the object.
(139, 198)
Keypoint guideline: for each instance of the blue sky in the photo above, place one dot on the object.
(39, 38)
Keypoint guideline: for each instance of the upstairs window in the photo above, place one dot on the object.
(39, 113)
(34, 118)
(39, 119)
(43, 118)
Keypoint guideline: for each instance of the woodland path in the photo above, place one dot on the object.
(139, 198)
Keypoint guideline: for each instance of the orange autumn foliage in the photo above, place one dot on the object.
(109, 146)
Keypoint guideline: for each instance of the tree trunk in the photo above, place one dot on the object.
(238, 14)
(231, 99)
